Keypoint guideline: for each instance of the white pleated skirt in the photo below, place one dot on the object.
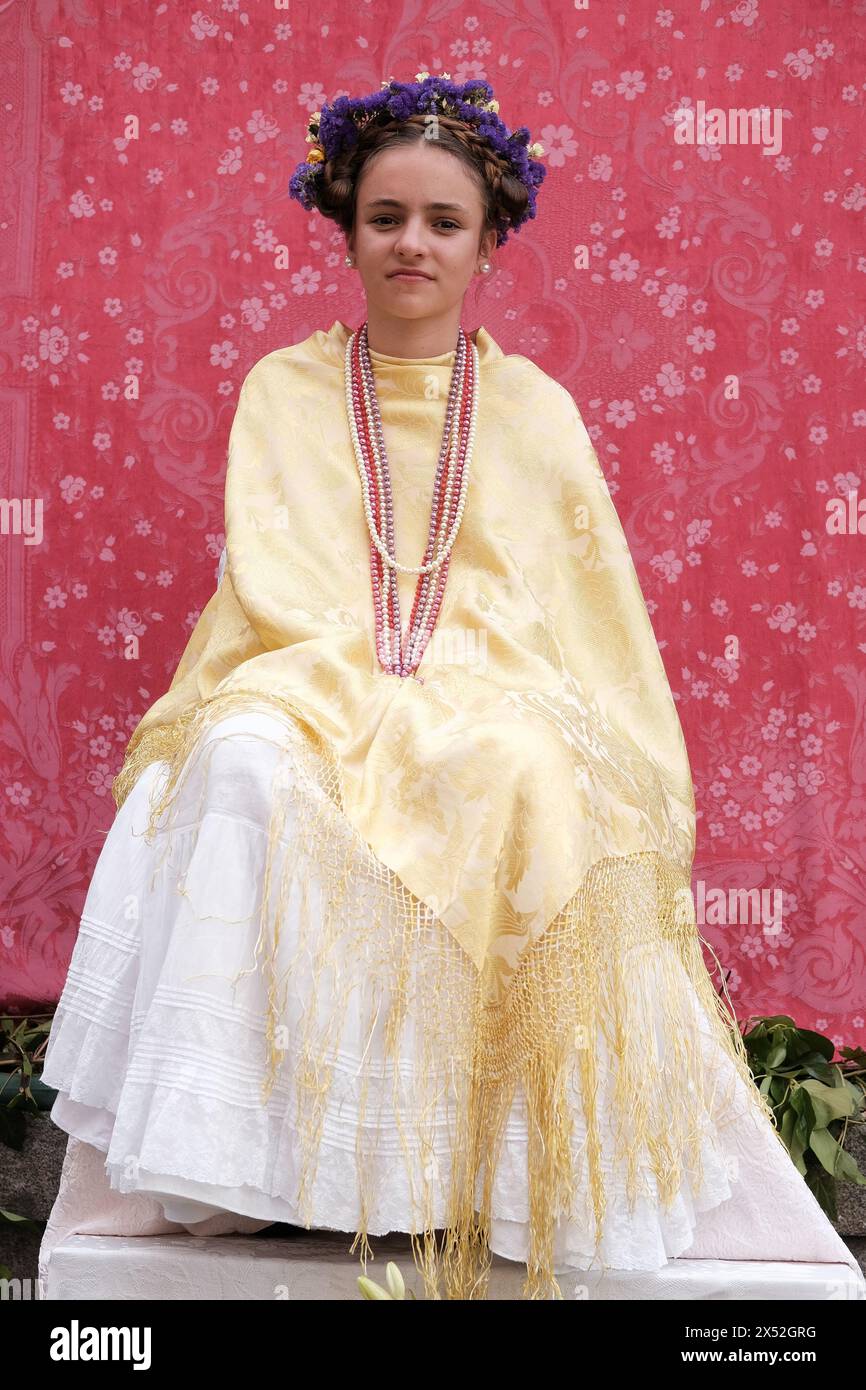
(158, 1050)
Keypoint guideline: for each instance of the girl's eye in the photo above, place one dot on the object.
(383, 217)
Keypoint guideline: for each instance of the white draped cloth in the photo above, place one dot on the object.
(158, 1048)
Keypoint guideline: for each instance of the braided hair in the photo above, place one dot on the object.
(504, 197)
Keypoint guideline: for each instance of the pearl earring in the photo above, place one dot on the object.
(485, 267)
(348, 260)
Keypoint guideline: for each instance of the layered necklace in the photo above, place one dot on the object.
(397, 654)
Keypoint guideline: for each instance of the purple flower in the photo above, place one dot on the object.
(337, 126)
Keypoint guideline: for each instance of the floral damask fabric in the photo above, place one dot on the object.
(702, 302)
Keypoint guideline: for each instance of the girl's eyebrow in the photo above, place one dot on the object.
(428, 207)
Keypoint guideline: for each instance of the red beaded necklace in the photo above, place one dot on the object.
(397, 655)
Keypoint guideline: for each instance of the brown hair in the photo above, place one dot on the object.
(504, 197)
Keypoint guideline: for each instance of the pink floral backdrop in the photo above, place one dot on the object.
(713, 334)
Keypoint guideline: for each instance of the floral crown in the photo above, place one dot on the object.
(336, 128)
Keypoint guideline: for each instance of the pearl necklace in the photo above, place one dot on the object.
(397, 655)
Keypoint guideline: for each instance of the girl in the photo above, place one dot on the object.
(393, 930)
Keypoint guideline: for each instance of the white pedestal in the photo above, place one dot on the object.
(318, 1266)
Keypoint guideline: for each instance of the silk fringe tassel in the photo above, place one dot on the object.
(625, 939)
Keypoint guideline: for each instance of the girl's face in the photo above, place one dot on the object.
(418, 208)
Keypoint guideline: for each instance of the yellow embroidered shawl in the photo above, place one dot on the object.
(544, 735)
(540, 768)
